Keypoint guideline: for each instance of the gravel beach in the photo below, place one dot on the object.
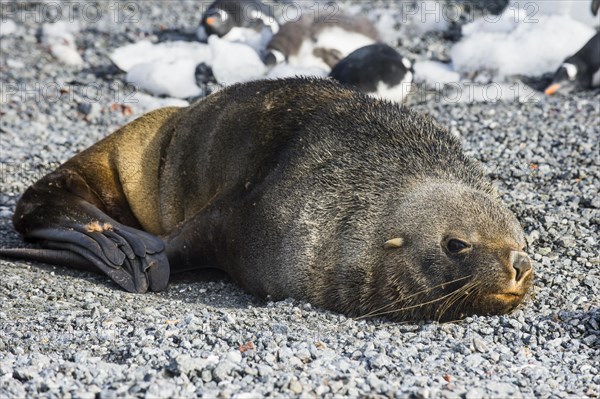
(66, 333)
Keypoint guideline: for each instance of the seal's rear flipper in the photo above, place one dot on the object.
(52, 256)
(132, 258)
(60, 213)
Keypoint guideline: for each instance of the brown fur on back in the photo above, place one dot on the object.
(123, 169)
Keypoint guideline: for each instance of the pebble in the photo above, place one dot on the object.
(475, 393)
(222, 371)
(296, 386)
(480, 345)
(234, 357)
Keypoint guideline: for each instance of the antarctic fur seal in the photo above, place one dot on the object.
(296, 188)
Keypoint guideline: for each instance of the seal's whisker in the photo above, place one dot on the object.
(412, 298)
(450, 297)
(453, 298)
(469, 291)
(456, 293)
(374, 312)
(417, 305)
(448, 302)
(478, 288)
(472, 287)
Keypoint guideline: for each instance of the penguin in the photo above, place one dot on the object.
(239, 20)
(320, 41)
(378, 70)
(579, 70)
(595, 7)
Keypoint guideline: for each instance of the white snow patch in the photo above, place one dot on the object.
(66, 54)
(516, 45)
(126, 57)
(435, 74)
(60, 32)
(7, 27)
(174, 78)
(411, 19)
(350, 9)
(503, 23)
(234, 62)
(142, 103)
(60, 39)
(577, 10)
(387, 24)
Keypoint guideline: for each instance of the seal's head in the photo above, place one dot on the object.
(453, 251)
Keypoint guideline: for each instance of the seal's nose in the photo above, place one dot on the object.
(522, 265)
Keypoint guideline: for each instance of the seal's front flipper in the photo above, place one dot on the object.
(132, 258)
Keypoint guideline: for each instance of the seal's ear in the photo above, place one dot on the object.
(393, 243)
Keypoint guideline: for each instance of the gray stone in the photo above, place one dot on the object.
(295, 386)
(480, 345)
(475, 393)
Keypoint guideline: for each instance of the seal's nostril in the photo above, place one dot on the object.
(522, 265)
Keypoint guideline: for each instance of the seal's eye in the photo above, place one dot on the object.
(455, 246)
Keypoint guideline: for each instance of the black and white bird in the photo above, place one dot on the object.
(320, 41)
(581, 70)
(378, 70)
(239, 20)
